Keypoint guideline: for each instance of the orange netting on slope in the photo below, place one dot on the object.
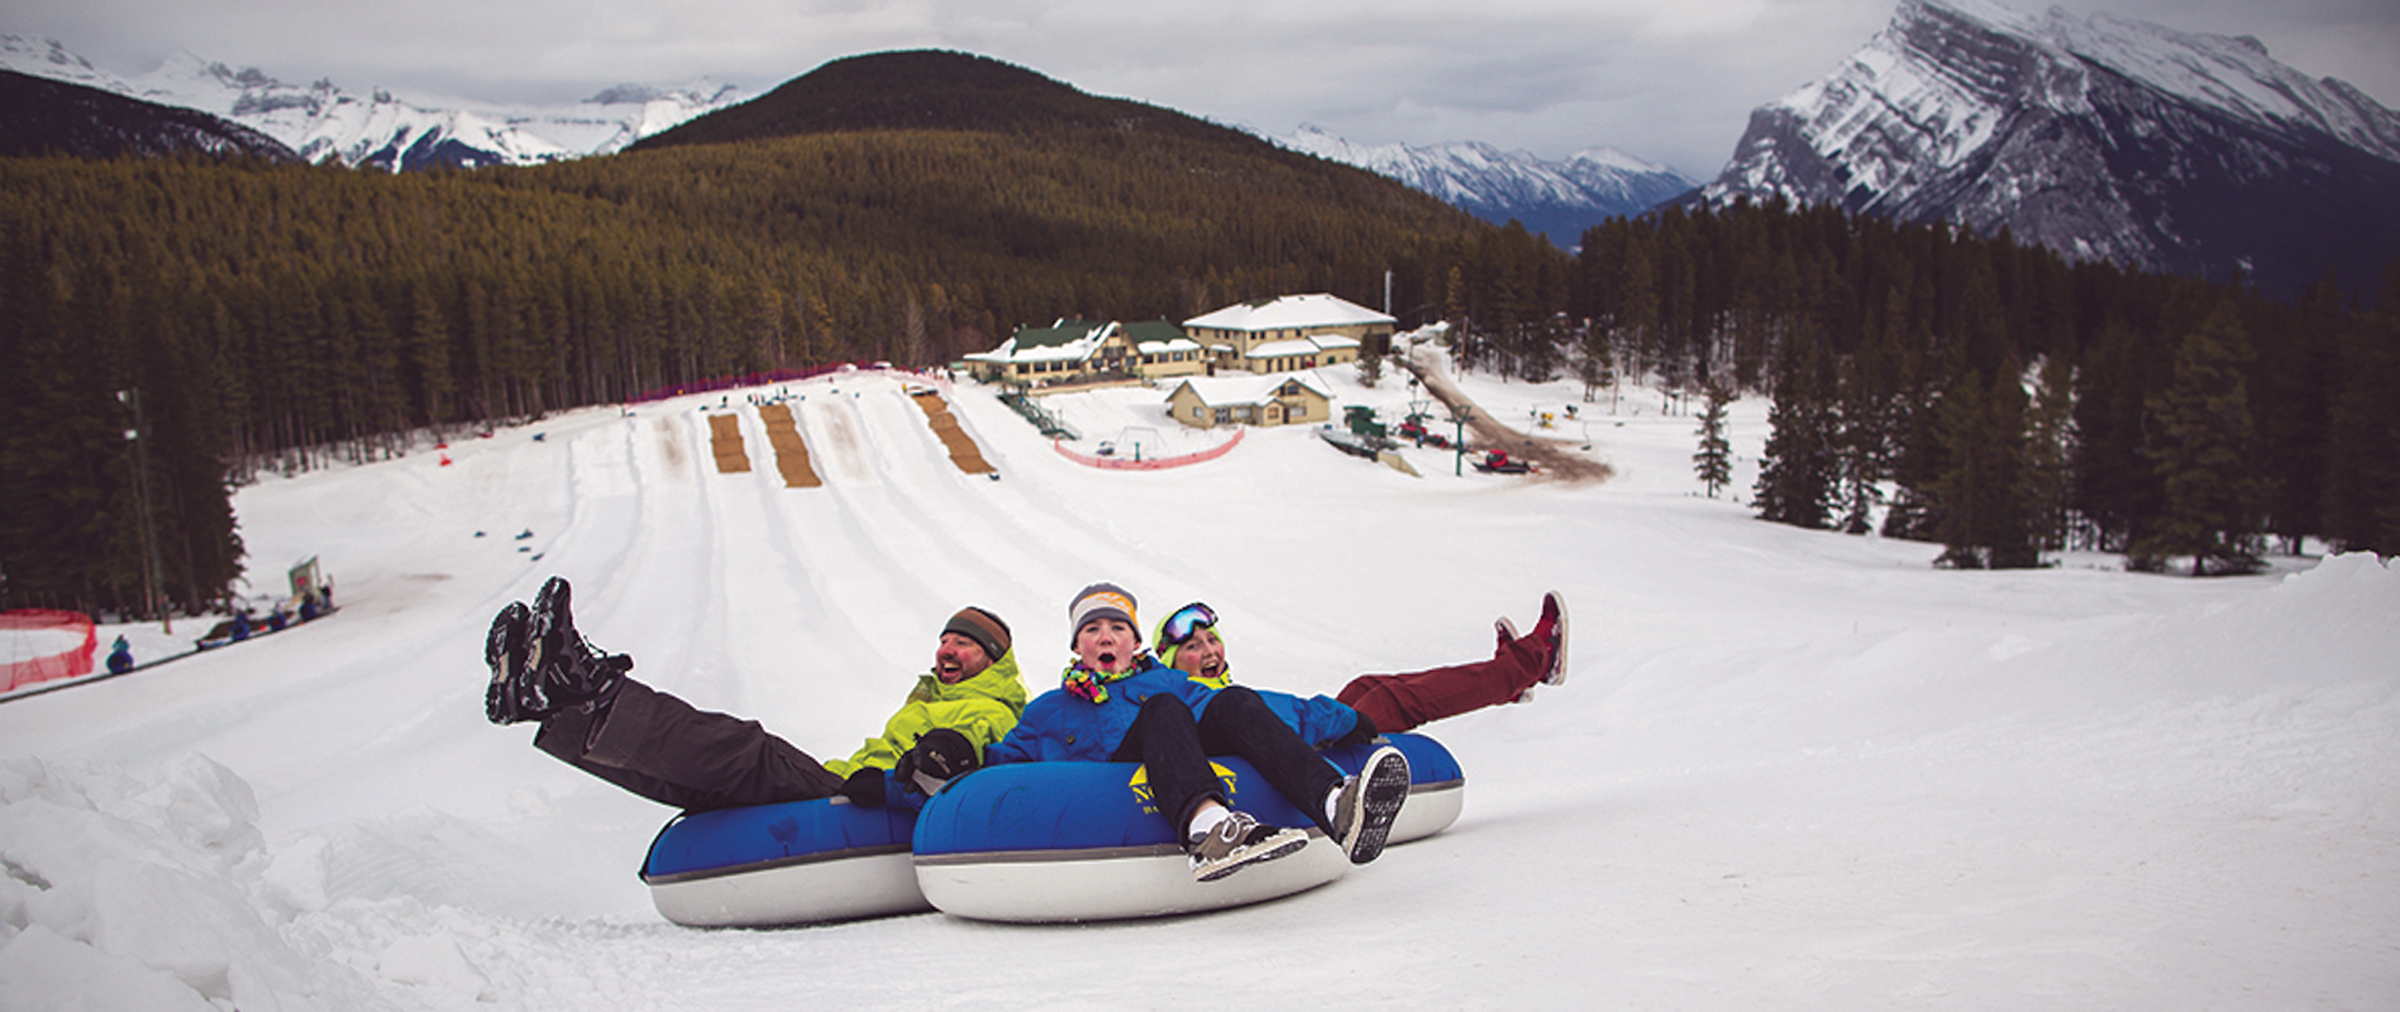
(72, 663)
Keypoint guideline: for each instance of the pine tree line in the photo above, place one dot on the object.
(1963, 389)
(2002, 401)
(1966, 390)
(284, 317)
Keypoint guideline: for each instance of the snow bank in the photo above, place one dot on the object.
(126, 893)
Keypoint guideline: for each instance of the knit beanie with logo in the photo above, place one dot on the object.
(1099, 601)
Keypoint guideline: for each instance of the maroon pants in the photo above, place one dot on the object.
(1401, 702)
(662, 748)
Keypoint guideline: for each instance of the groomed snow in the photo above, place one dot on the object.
(1790, 769)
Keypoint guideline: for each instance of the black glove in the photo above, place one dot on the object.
(1359, 734)
(865, 787)
(940, 756)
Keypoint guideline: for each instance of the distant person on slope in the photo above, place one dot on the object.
(1116, 703)
(1188, 641)
(597, 720)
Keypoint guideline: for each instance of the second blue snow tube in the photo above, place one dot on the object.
(1081, 841)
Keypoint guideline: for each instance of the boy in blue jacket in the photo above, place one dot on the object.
(1116, 703)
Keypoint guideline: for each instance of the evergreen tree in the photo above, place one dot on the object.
(2200, 448)
(2113, 489)
(2293, 388)
(1370, 366)
(1596, 366)
(1714, 462)
(2050, 448)
(1983, 509)
(1863, 451)
(1796, 470)
(2362, 485)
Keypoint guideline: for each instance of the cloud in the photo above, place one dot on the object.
(1671, 82)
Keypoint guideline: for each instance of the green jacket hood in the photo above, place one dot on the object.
(1001, 683)
(983, 708)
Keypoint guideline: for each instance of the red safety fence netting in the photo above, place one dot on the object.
(38, 632)
(1159, 464)
(754, 379)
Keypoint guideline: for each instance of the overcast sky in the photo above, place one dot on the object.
(1668, 80)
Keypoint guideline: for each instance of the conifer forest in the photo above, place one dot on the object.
(179, 325)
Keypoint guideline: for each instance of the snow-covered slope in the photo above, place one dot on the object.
(383, 129)
(2102, 138)
(1788, 768)
(1557, 199)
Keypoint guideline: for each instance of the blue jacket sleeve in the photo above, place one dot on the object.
(1317, 719)
(1024, 742)
(1013, 749)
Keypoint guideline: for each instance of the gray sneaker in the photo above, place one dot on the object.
(1239, 842)
(1368, 804)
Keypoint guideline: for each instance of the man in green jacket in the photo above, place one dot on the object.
(596, 719)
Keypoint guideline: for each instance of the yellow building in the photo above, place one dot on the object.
(1287, 333)
(1207, 402)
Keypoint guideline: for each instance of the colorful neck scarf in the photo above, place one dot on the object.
(1092, 686)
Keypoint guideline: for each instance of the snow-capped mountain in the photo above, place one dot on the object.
(1557, 199)
(384, 129)
(2102, 138)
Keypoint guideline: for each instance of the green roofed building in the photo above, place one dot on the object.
(1085, 351)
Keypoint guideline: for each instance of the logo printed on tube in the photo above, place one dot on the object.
(1141, 786)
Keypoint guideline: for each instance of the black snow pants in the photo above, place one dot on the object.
(662, 748)
(1176, 748)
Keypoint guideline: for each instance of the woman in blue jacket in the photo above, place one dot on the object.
(1116, 703)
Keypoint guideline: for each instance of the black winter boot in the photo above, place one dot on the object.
(568, 670)
(513, 696)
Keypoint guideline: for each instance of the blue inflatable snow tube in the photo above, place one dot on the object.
(1082, 841)
(792, 863)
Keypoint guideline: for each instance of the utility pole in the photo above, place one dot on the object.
(153, 576)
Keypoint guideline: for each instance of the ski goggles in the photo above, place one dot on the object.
(1189, 619)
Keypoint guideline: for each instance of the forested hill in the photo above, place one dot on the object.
(934, 90)
(273, 316)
